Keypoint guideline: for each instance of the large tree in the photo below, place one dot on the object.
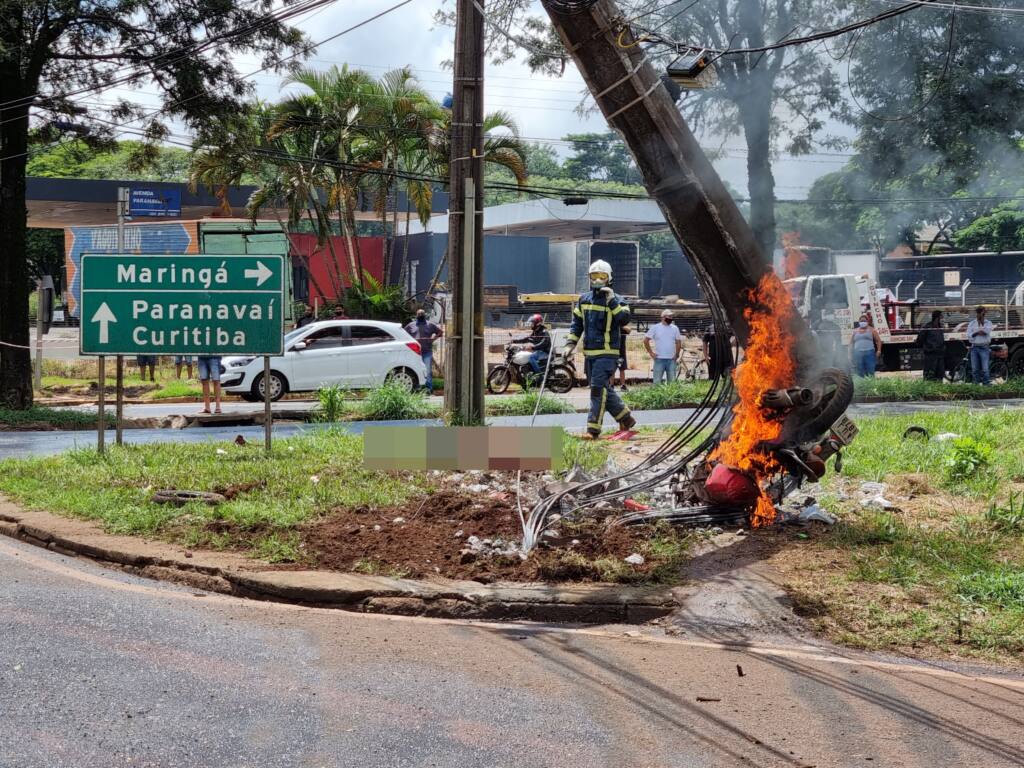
(777, 100)
(55, 55)
(936, 96)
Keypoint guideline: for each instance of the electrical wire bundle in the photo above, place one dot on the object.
(569, 7)
(712, 414)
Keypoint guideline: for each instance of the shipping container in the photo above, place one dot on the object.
(306, 250)
(569, 263)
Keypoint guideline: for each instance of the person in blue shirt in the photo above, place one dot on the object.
(540, 344)
(597, 319)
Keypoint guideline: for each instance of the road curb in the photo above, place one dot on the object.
(234, 574)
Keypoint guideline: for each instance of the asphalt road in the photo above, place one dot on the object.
(101, 669)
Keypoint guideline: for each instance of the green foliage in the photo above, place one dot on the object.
(127, 160)
(600, 156)
(1000, 586)
(38, 417)
(304, 477)
(967, 457)
(390, 402)
(1008, 517)
(377, 302)
(674, 394)
(524, 404)
(897, 388)
(1000, 230)
(589, 455)
(333, 399)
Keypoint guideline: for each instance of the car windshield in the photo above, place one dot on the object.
(292, 335)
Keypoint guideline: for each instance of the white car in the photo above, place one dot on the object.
(355, 354)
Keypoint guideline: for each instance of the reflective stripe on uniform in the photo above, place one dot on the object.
(576, 311)
(599, 352)
(572, 337)
(594, 307)
(620, 308)
(592, 425)
(621, 416)
(600, 411)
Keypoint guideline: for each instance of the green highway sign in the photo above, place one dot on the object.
(139, 304)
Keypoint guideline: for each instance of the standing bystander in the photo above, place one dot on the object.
(209, 372)
(865, 347)
(425, 332)
(932, 341)
(979, 335)
(668, 343)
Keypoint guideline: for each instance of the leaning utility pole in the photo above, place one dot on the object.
(464, 363)
(699, 210)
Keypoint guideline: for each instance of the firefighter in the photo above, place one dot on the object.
(598, 318)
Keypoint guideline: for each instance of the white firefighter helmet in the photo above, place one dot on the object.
(600, 273)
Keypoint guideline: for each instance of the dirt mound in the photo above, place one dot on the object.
(429, 535)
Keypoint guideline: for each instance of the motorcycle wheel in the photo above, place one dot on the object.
(498, 380)
(560, 379)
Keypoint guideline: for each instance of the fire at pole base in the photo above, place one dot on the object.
(744, 465)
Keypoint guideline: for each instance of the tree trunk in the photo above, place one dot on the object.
(756, 114)
(760, 180)
(405, 243)
(349, 252)
(350, 216)
(15, 361)
(336, 283)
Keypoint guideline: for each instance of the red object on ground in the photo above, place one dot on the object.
(729, 486)
(622, 434)
(635, 506)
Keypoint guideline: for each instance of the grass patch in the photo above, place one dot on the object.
(524, 403)
(390, 402)
(39, 417)
(178, 388)
(590, 455)
(269, 495)
(942, 575)
(899, 388)
(881, 450)
(674, 394)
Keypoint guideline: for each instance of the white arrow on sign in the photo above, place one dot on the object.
(104, 317)
(261, 273)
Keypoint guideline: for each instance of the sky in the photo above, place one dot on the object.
(544, 107)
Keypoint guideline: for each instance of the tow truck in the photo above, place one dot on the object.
(831, 305)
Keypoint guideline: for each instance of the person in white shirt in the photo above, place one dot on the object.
(979, 336)
(668, 342)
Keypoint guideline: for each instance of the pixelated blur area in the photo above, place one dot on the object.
(462, 448)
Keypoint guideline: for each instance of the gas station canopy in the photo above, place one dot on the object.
(553, 219)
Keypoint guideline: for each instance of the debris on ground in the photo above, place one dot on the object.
(635, 559)
(633, 505)
(945, 436)
(915, 431)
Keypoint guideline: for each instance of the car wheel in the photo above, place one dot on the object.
(278, 386)
(249, 397)
(404, 378)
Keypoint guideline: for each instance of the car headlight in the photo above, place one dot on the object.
(239, 362)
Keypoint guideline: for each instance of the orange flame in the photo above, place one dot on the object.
(769, 363)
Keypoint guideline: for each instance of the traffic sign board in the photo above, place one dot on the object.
(138, 304)
(154, 202)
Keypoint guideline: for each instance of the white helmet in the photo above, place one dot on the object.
(600, 266)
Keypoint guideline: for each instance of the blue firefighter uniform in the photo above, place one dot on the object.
(597, 319)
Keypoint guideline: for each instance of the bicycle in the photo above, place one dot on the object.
(998, 369)
(691, 367)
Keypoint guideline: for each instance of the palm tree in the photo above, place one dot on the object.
(502, 148)
(332, 110)
(397, 119)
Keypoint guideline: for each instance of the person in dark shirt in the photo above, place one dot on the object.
(718, 353)
(932, 341)
(306, 319)
(540, 341)
(425, 332)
